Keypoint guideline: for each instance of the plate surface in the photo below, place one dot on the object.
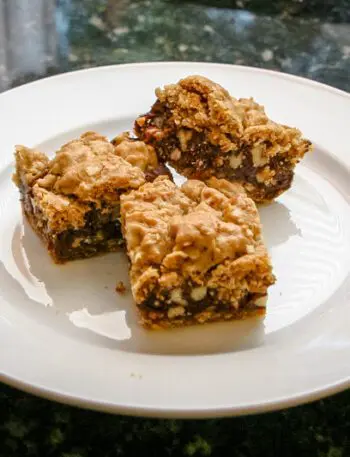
(65, 333)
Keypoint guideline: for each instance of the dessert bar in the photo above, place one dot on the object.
(201, 131)
(73, 201)
(196, 252)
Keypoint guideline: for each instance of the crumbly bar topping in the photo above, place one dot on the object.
(83, 171)
(147, 212)
(60, 212)
(197, 232)
(30, 164)
(199, 104)
(89, 169)
(136, 152)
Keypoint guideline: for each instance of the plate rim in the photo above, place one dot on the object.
(275, 73)
(145, 411)
(166, 413)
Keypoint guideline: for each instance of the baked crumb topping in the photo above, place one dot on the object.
(136, 152)
(60, 212)
(202, 233)
(89, 169)
(84, 171)
(30, 164)
(204, 106)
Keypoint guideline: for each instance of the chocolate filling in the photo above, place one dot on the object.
(161, 170)
(202, 159)
(101, 232)
(87, 242)
(161, 302)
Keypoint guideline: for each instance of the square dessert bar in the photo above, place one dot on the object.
(73, 201)
(196, 253)
(200, 130)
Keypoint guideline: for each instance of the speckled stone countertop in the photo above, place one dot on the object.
(49, 37)
(44, 37)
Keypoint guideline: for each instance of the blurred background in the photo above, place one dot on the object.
(306, 37)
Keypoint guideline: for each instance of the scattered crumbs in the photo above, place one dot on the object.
(97, 22)
(182, 47)
(208, 28)
(267, 55)
(120, 287)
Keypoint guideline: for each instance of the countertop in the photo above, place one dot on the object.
(44, 37)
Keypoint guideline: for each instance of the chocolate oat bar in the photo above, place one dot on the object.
(200, 130)
(196, 253)
(73, 201)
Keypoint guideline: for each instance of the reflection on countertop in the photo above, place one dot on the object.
(45, 37)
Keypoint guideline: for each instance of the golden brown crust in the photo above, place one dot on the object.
(30, 164)
(146, 214)
(206, 234)
(59, 211)
(200, 104)
(136, 152)
(202, 131)
(83, 171)
(89, 169)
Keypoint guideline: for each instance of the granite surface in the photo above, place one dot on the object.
(42, 37)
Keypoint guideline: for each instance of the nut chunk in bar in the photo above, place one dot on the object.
(196, 253)
(200, 130)
(73, 201)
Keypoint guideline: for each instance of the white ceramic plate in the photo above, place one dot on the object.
(64, 332)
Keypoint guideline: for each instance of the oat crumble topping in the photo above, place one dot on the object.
(89, 169)
(30, 164)
(136, 152)
(202, 105)
(83, 171)
(208, 234)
